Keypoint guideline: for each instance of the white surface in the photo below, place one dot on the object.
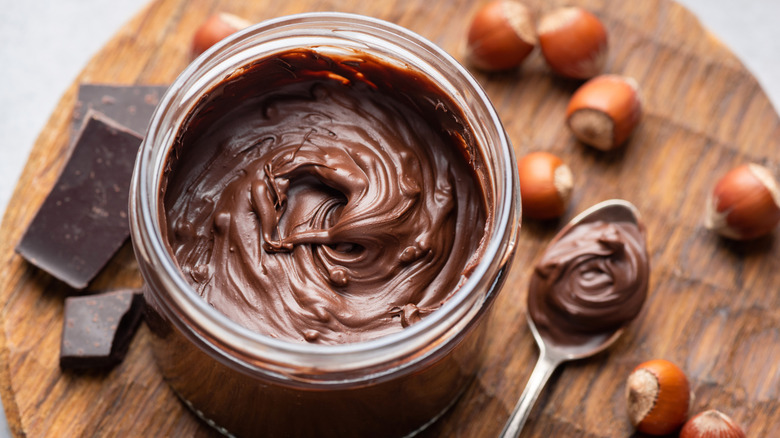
(44, 44)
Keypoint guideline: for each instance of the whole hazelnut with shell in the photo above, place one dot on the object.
(573, 42)
(604, 111)
(744, 204)
(545, 185)
(658, 397)
(501, 35)
(711, 424)
(216, 28)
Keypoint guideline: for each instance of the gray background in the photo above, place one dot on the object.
(44, 44)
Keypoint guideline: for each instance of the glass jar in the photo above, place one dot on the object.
(247, 384)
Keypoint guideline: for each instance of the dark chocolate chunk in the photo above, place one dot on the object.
(97, 329)
(83, 221)
(129, 105)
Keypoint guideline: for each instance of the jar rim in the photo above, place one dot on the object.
(248, 343)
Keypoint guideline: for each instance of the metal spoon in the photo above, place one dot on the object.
(550, 354)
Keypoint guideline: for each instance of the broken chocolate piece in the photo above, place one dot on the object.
(83, 221)
(129, 105)
(97, 329)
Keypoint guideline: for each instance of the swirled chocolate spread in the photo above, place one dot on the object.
(325, 198)
(592, 280)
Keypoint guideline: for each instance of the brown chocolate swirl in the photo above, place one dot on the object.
(592, 280)
(325, 199)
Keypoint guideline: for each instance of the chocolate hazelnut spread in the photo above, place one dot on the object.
(592, 280)
(325, 198)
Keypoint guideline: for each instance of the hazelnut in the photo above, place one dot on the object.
(604, 111)
(573, 41)
(545, 185)
(501, 35)
(658, 397)
(214, 29)
(744, 204)
(711, 424)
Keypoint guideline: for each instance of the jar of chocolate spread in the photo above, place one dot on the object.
(323, 211)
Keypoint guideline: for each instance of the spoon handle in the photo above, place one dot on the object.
(539, 377)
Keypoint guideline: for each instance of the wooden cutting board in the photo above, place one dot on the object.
(713, 308)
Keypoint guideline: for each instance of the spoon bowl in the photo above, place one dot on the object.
(552, 354)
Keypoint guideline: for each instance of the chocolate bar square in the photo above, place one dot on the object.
(97, 329)
(129, 105)
(83, 221)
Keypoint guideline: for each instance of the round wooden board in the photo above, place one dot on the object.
(713, 308)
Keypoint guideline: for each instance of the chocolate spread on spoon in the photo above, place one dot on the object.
(592, 280)
(326, 199)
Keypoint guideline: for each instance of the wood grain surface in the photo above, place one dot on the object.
(713, 307)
